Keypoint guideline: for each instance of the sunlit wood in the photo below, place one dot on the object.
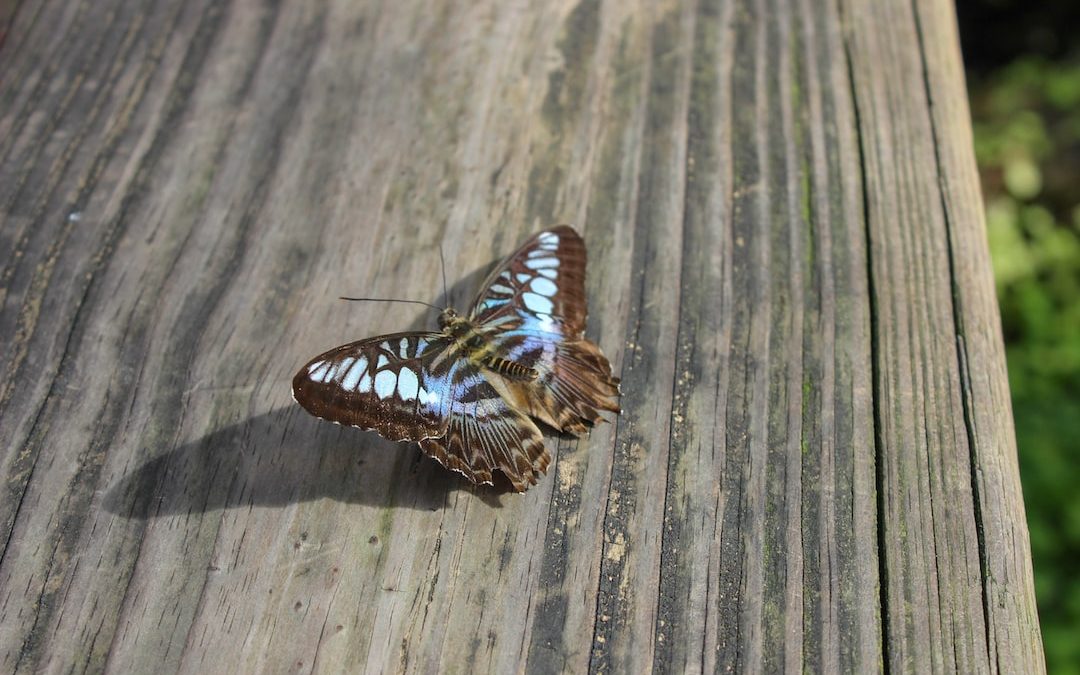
(815, 468)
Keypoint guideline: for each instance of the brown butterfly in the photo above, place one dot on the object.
(467, 392)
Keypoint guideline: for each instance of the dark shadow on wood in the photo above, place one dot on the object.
(286, 456)
(462, 293)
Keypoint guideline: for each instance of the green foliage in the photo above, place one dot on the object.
(1027, 140)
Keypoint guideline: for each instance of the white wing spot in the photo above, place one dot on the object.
(547, 324)
(353, 376)
(365, 384)
(548, 238)
(428, 397)
(382, 361)
(320, 372)
(384, 383)
(344, 365)
(421, 345)
(499, 288)
(537, 304)
(550, 274)
(541, 263)
(331, 372)
(407, 384)
(523, 279)
(404, 348)
(544, 287)
(315, 366)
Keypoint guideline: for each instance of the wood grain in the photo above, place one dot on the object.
(815, 469)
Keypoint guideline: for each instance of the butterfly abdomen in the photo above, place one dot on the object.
(510, 369)
(481, 351)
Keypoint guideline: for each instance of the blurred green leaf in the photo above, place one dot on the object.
(1022, 177)
(1027, 142)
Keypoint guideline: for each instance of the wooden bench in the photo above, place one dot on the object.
(815, 468)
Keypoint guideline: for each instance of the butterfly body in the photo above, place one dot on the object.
(467, 392)
(472, 342)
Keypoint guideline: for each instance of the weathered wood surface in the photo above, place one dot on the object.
(815, 469)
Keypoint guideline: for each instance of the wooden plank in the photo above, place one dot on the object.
(953, 511)
(815, 468)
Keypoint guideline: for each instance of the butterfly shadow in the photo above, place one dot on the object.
(286, 457)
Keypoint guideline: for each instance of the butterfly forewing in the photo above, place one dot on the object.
(393, 384)
(540, 287)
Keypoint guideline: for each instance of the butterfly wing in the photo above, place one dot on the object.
(543, 284)
(485, 432)
(533, 309)
(385, 384)
(416, 387)
(574, 384)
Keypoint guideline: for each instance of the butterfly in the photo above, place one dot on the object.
(469, 393)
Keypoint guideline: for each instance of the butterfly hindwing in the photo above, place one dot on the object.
(574, 383)
(485, 433)
(386, 384)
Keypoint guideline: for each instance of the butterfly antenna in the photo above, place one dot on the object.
(412, 302)
(442, 269)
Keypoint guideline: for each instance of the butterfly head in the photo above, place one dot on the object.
(449, 318)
